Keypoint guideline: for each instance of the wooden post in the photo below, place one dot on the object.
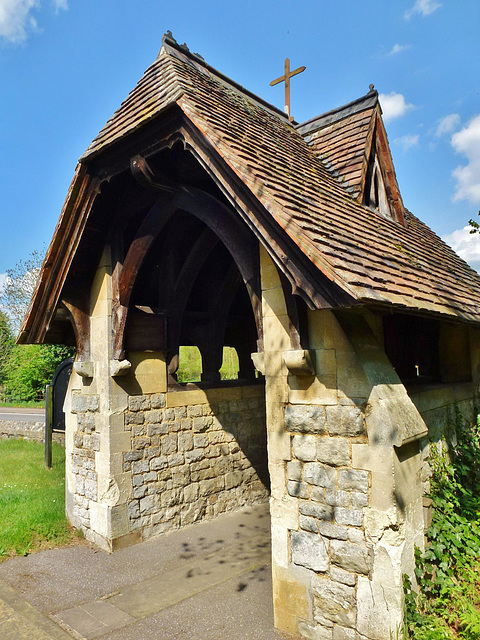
(48, 425)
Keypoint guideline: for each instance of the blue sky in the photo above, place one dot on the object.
(65, 66)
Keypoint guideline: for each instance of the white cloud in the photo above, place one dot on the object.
(16, 19)
(408, 141)
(466, 244)
(393, 105)
(423, 7)
(60, 4)
(447, 124)
(467, 142)
(398, 48)
(3, 280)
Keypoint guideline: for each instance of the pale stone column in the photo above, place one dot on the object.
(74, 386)
(345, 467)
(98, 487)
(393, 519)
(109, 519)
(290, 583)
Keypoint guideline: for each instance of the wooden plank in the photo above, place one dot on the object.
(146, 330)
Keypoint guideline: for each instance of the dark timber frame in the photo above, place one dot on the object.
(230, 211)
(221, 226)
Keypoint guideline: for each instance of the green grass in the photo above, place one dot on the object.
(23, 404)
(32, 499)
(190, 364)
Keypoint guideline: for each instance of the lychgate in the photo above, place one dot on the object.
(201, 217)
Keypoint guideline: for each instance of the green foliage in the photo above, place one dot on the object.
(230, 365)
(447, 604)
(24, 370)
(6, 342)
(29, 368)
(474, 225)
(32, 500)
(190, 364)
(23, 404)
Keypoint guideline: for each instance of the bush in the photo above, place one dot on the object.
(6, 343)
(447, 604)
(29, 368)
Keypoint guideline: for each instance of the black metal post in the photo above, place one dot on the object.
(48, 425)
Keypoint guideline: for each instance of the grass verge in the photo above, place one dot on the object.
(23, 404)
(32, 499)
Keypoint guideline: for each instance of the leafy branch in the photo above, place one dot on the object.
(475, 226)
(447, 604)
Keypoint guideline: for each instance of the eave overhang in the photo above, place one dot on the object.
(333, 251)
(291, 251)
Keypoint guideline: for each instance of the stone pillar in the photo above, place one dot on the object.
(97, 487)
(291, 583)
(345, 466)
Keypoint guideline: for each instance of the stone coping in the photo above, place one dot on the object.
(27, 431)
(441, 395)
(187, 397)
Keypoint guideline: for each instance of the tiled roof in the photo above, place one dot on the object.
(374, 259)
(341, 139)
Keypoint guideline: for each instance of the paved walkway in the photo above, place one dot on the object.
(211, 581)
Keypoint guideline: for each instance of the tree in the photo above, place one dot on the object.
(474, 226)
(19, 288)
(29, 368)
(25, 369)
(6, 343)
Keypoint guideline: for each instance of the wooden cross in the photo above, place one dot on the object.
(286, 78)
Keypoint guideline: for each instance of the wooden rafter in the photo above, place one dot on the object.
(215, 215)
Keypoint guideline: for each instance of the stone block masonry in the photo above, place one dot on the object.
(86, 444)
(332, 495)
(195, 461)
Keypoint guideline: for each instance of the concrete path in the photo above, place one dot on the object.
(211, 581)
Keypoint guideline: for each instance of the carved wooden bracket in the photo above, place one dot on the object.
(81, 326)
(145, 176)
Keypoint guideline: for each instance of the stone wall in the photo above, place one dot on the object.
(331, 496)
(185, 456)
(27, 431)
(345, 468)
(193, 462)
(86, 442)
(441, 405)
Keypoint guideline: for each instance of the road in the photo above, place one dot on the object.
(10, 414)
